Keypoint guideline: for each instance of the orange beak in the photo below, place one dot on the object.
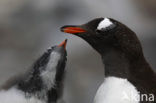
(72, 29)
(63, 44)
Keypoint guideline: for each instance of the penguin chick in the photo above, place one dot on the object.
(42, 84)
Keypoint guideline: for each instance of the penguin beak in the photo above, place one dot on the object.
(72, 29)
(63, 44)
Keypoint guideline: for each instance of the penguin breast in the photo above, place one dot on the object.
(116, 90)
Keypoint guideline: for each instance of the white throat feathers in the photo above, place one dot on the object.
(48, 75)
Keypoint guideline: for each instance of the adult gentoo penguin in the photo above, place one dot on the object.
(43, 82)
(129, 77)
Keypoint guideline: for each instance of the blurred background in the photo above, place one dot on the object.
(29, 27)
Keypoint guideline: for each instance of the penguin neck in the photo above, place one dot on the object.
(32, 83)
(115, 64)
(118, 65)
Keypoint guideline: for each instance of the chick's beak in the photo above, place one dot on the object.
(63, 44)
(72, 29)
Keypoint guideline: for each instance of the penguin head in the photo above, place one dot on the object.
(53, 71)
(107, 34)
(47, 71)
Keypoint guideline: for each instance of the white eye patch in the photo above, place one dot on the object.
(104, 24)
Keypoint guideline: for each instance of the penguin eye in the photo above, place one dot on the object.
(98, 31)
(52, 48)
